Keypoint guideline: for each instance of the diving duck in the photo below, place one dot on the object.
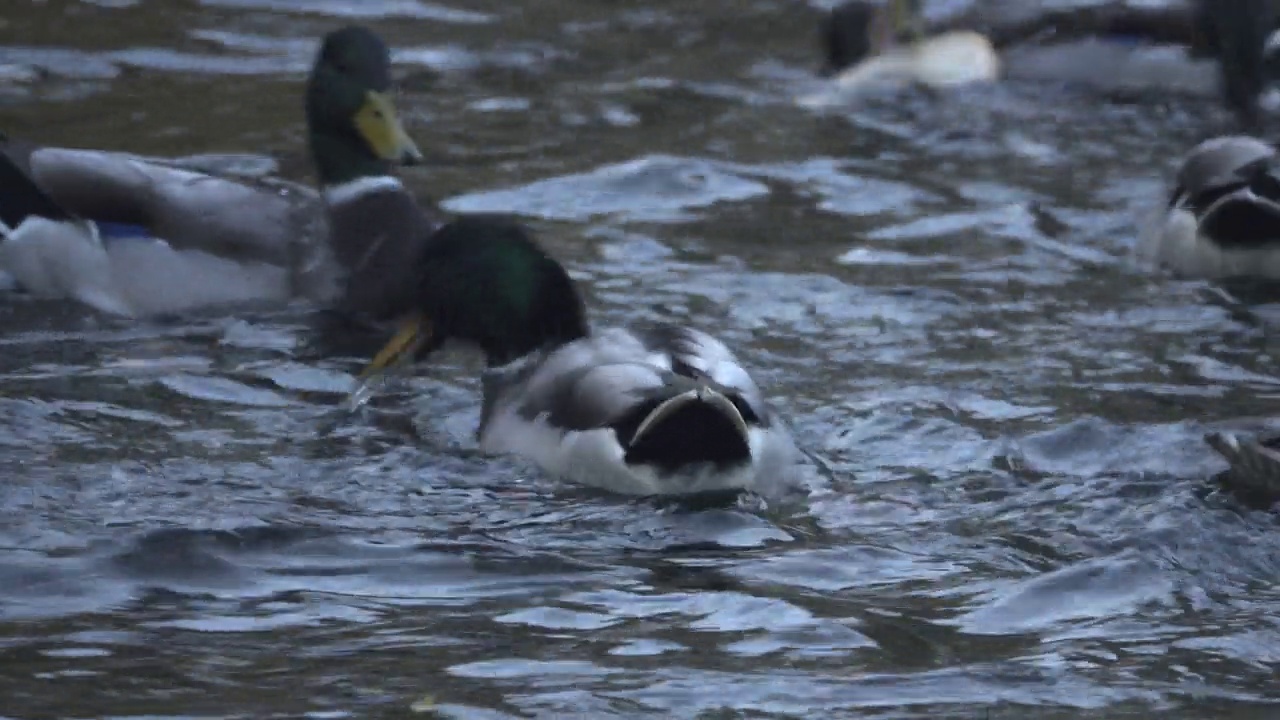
(137, 236)
(1222, 218)
(650, 410)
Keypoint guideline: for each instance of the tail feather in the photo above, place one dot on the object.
(21, 197)
(700, 426)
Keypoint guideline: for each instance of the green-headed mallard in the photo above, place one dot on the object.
(651, 410)
(139, 236)
(1222, 218)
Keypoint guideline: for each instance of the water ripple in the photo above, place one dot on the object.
(1010, 508)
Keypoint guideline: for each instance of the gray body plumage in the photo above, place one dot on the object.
(212, 239)
(207, 239)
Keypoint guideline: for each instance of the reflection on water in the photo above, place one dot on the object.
(1009, 517)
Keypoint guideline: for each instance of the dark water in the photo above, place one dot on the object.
(1010, 512)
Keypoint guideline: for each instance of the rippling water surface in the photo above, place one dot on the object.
(1010, 510)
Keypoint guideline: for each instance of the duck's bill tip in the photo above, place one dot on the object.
(414, 332)
(410, 156)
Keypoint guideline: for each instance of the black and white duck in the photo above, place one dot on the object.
(1222, 217)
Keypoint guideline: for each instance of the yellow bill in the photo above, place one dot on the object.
(377, 122)
(414, 332)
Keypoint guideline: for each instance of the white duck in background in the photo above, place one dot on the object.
(869, 45)
(1222, 218)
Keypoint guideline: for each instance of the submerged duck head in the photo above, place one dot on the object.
(484, 281)
(351, 120)
(858, 29)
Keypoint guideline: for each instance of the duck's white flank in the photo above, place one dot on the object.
(1172, 239)
(130, 277)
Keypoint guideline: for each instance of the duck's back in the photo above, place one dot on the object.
(237, 218)
(646, 410)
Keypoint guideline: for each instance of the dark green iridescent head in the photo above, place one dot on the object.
(351, 121)
(485, 281)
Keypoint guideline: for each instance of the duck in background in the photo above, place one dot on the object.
(869, 44)
(1203, 47)
(1222, 217)
(137, 236)
(651, 410)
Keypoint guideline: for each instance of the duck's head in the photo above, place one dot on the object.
(858, 29)
(1239, 33)
(351, 121)
(484, 281)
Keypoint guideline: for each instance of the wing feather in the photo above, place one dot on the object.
(240, 218)
(697, 355)
(593, 383)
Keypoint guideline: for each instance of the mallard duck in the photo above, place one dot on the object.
(376, 226)
(869, 44)
(650, 410)
(1222, 219)
(139, 236)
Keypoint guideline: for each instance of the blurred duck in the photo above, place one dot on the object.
(871, 44)
(1253, 466)
(1222, 219)
(1202, 47)
(137, 236)
(651, 410)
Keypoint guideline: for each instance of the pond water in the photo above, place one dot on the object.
(1010, 509)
